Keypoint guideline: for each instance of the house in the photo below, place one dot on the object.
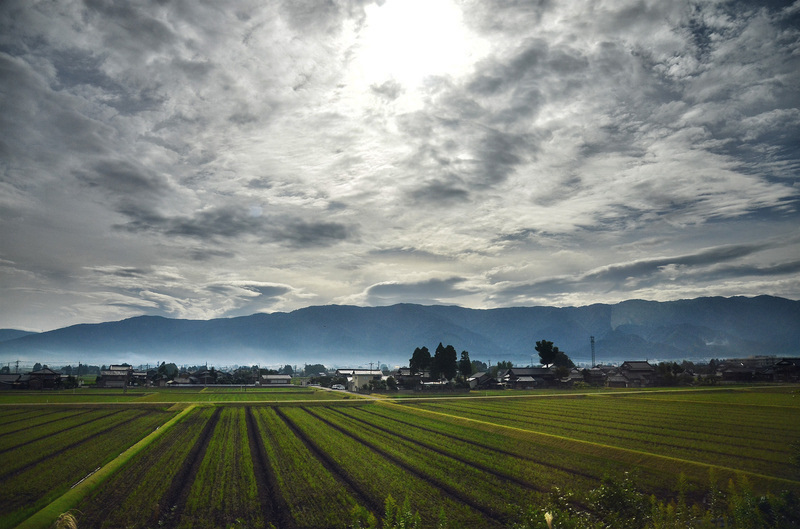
(615, 380)
(8, 381)
(638, 373)
(183, 380)
(140, 378)
(737, 372)
(482, 380)
(408, 380)
(44, 378)
(528, 377)
(116, 376)
(276, 380)
(787, 370)
(595, 376)
(574, 375)
(358, 378)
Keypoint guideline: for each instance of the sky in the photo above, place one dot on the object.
(215, 159)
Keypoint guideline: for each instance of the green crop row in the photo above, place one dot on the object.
(489, 488)
(639, 432)
(651, 468)
(224, 489)
(31, 418)
(300, 465)
(49, 474)
(375, 476)
(311, 492)
(56, 440)
(137, 495)
(61, 424)
(526, 463)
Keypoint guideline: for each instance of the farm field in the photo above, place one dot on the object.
(307, 462)
(208, 394)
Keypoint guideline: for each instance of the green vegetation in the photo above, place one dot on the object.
(42, 462)
(207, 394)
(664, 459)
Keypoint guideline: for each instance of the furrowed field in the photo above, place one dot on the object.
(307, 458)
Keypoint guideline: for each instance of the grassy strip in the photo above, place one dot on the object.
(45, 517)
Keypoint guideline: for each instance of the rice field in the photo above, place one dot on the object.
(296, 459)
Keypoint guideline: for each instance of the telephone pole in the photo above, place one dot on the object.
(591, 340)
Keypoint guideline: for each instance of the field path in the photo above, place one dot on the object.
(47, 516)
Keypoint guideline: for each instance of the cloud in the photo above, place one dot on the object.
(429, 291)
(169, 158)
(624, 278)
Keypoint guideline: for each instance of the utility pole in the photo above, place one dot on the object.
(591, 340)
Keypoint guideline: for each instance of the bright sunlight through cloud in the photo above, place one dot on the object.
(409, 40)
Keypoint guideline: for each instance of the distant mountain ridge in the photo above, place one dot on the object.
(692, 329)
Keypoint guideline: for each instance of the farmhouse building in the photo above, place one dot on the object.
(527, 377)
(44, 378)
(638, 373)
(8, 381)
(482, 380)
(115, 377)
(276, 380)
(357, 378)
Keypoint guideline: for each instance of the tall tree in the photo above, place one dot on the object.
(420, 360)
(445, 362)
(464, 365)
(562, 360)
(547, 353)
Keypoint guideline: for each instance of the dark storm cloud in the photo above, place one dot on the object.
(403, 253)
(231, 222)
(34, 115)
(699, 266)
(427, 291)
(205, 254)
(439, 192)
(122, 271)
(125, 179)
(644, 267)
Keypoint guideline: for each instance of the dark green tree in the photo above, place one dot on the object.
(562, 360)
(444, 363)
(311, 370)
(478, 366)
(547, 353)
(464, 365)
(168, 371)
(420, 360)
(286, 370)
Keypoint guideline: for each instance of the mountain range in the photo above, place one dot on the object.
(335, 335)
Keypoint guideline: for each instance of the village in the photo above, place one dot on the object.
(503, 376)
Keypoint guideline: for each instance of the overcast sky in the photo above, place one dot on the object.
(213, 159)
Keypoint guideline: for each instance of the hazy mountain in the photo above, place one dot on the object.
(346, 335)
(12, 334)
